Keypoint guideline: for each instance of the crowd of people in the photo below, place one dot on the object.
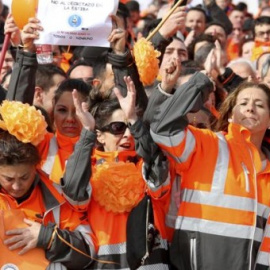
(101, 171)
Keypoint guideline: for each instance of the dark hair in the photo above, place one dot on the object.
(262, 20)
(68, 85)
(199, 10)
(241, 6)
(14, 152)
(44, 75)
(230, 102)
(78, 63)
(202, 37)
(133, 6)
(217, 24)
(103, 110)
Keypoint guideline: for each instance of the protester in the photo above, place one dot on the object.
(117, 183)
(220, 206)
(39, 229)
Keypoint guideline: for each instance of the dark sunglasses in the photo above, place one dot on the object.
(115, 128)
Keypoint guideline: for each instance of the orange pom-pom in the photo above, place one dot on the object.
(23, 121)
(118, 187)
(146, 61)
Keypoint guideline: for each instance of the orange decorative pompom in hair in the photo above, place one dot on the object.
(23, 121)
(118, 187)
(146, 61)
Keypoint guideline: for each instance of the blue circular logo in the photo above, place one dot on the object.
(75, 20)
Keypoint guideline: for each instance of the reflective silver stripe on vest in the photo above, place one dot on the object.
(78, 203)
(214, 227)
(222, 164)
(121, 248)
(224, 200)
(158, 266)
(112, 249)
(263, 210)
(169, 141)
(267, 231)
(58, 188)
(174, 203)
(56, 266)
(258, 235)
(56, 214)
(189, 147)
(263, 258)
(53, 149)
(173, 141)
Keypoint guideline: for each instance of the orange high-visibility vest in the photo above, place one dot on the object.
(33, 259)
(224, 187)
(110, 228)
(37, 208)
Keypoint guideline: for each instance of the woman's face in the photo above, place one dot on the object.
(120, 142)
(16, 180)
(65, 118)
(252, 111)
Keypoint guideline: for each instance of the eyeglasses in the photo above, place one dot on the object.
(263, 33)
(115, 128)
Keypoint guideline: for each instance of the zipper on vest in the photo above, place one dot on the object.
(146, 233)
(246, 173)
(193, 253)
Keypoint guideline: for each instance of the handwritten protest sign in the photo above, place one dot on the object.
(76, 22)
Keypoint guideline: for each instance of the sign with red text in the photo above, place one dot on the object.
(76, 22)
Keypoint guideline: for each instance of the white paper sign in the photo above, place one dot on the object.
(76, 22)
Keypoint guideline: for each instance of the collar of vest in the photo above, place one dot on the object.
(238, 132)
(51, 196)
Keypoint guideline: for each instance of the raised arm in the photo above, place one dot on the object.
(155, 168)
(123, 65)
(75, 182)
(22, 82)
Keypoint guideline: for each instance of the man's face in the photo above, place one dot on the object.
(237, 18)
(195, 20)
(262, 32)
(217, 32)
(47, 98)
(176, 50)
